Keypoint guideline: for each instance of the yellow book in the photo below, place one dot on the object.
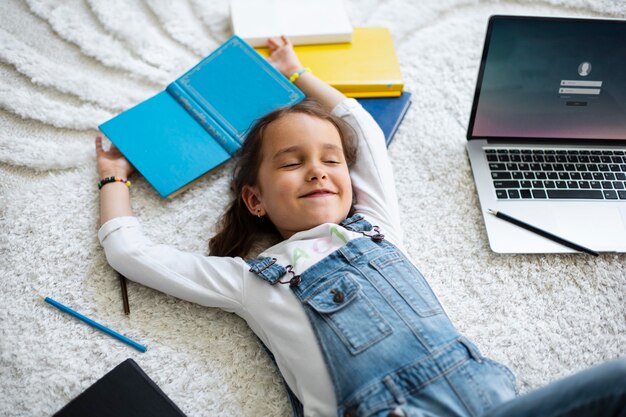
(366, 67)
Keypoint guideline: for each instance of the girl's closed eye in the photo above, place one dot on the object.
(290, 164)
(332, 159)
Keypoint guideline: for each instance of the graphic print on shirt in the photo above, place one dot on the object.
(320, 246)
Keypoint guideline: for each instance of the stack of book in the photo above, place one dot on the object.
(360, 62)
(200, 120)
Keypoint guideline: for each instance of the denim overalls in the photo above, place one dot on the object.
(389, 346)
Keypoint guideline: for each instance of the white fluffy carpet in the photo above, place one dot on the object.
(68, 65)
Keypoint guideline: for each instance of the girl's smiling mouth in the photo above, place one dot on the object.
(322, 192)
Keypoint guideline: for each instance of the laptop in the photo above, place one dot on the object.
(547, 132)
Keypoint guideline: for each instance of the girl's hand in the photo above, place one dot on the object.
(282, 56)
(112, 163)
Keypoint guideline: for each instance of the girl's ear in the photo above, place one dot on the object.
(250, 196)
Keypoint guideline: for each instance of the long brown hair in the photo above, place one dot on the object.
(238, 229)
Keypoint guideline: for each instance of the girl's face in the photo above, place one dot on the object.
(303, 178)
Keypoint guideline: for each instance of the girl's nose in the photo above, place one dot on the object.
(316, 173)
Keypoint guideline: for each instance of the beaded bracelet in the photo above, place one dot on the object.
(107, 180)
(298, 73)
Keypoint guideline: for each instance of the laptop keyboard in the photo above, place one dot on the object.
(540, 174)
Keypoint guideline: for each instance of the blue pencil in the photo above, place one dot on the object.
(98, 326)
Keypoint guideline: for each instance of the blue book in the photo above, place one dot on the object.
(201, 119)
(388, 112)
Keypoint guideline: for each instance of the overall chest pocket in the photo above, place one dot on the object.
(409, 283)
(341, 304)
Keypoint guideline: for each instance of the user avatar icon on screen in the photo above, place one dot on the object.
(584, 69)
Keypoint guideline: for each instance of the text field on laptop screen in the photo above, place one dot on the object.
(550, 78)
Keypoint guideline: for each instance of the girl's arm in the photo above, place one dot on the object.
(205, 280)
(208, 281)
(114, 197)
(286, 61)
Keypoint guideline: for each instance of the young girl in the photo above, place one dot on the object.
(354, 327)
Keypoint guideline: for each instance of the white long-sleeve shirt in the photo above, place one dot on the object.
(272, 312)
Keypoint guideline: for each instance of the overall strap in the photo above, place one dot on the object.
(356, 223)
(271, 272)
(267, 269)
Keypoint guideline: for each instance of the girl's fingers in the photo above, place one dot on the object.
(275, 44)
(110, 150)
(98, 144)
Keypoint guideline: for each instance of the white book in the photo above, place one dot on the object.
(304, 22)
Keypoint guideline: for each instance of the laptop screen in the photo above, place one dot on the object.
(550, 78)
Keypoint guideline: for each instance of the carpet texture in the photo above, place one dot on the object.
(68, 65)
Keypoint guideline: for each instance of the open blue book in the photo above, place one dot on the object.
(388, 112)
(201, 119)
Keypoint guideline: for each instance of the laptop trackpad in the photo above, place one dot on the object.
(594, 225)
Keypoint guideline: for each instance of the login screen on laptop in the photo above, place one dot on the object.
(552, 79)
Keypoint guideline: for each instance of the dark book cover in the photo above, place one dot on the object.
(126, 391)
(388, 112)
